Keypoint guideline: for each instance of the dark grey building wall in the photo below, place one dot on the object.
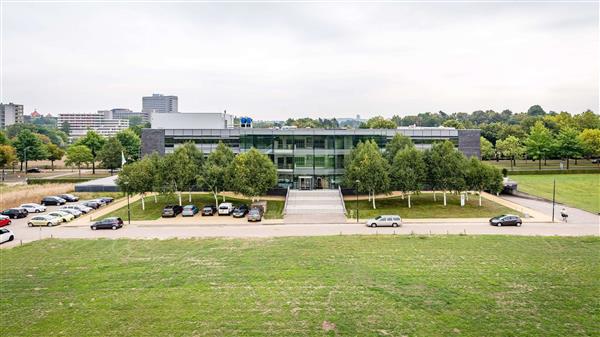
(153, 140)
(469, 142)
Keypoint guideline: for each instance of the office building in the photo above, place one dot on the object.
(158, 103)
(10, 114)
(305, 158)
(102, 122)
(120, 113)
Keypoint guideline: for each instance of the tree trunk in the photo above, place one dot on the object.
(374, 207)
(94, 166)
(179, 194)
(143, 203)
(409, 200)
(190, 195)
(479, 198)
(444, 197)
(155, 198)
(511, 164)
(545, 161)
(369, 196)
(567, 163)
(434, 196)
(52, 164)
(540, 164)
(21, 167)
(78, 168)
(216, 197)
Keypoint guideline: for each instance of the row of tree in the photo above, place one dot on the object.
(251, 173)
(404, 168)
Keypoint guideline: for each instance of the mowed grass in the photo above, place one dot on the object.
(153, 209)
(423, 206)
(553, 164)
(309, 286)
(577, 190)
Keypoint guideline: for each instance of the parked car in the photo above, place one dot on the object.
(6, 235)
(596, 161)
(64, 216)
(225, 208)
(209, 210)
(240, 211)
(34, 170)
(106, 200)
(506, 220)
(69, 197)
(15, 213)
(99, 201)
(189, 210)
(76, 213)
(44, 220)
(255, 214)
(53, 200)
(171, 211)
(385, 220)
(79, 207)
(4, 220)
(108, 223)
(91, 204)
(33, 208)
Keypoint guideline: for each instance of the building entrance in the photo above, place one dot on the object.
(305, 182)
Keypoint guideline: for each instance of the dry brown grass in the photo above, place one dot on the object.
(12, 196)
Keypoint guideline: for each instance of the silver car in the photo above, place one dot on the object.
(385, 220)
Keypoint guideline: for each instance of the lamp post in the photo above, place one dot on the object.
(553, 198)
(25, 158)
(128, 209)
(356, 192)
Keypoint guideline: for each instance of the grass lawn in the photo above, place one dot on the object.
(94, 195)
(577, 190)
(553, 164)
(154, 210)
(310, 286)
(423, 206)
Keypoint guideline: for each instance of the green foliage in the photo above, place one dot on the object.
(510, 148)
(131, 143)
(3, 138)
(216, 173)
(8, 155)
(398, 143)
(66, 127)
(78, 155)
(54, 153)
(408, 170)
(453, 123)
(110, 155)
(568, 145)
(135, 121)
(590, 142)
(536, 110)
(446, 167)
(487, 149)
(137, 177)
(94, 142)
(366, 164)
(28, 144)
(307, 123)
(380, 122)
(539, 143)
(254, 173)
(587, 120)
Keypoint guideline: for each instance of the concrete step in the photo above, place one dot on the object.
(325, 218)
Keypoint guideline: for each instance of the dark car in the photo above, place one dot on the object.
(91, 204)
(255, 214)
(596, 161)
(171, 211)
(506, 220)
(108, 223)
(69, 197)
(53, 200)
(34, 170)
(209, 210)
(107, 200)
(240, 211)
(15, 213)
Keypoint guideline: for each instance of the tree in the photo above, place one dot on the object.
(453, 123)
(380, 123)
(78, 155)
(510, 148)
(408, 171)
(487, 149)
(137, 177)
(587, 120)
(8, 156)
(216, 173)
(536, 110)
(54, 153)
(181, 169)
(539, 142)
(590, 142)
(366, 165)
(66, 128)
(483, 176)
(446, 168)
(111, 154)
(254, 173)
(568, 145)
(29, 147)
(94, 142)
(135, 121)
(3, 138)
(131, 143)
(398, 143)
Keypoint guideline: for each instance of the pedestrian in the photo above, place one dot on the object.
(564, 215)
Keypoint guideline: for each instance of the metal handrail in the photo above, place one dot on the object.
(287, 194)
(342, 197)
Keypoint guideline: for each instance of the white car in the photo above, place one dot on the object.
(385, 220)
(6, 235)
(33, 208)
(78, 207)
(77, 213)
(225, 208)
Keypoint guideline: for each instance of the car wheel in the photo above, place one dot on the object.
(49, 224)
(94, 228)
(519, 224)
(11, 238)
(114, 227)
(499, 224)
(29, 224)
(373, 225)
(394, 225)
(37, 211)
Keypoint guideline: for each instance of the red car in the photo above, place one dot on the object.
(4, 221)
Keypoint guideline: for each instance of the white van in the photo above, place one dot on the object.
(225, 208)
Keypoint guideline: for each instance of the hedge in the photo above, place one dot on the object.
(39, 181)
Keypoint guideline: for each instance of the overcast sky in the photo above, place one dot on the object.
(277, 60)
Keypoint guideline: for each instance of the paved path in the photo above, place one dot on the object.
(576, 215)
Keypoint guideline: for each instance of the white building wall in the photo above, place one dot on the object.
(192, 120)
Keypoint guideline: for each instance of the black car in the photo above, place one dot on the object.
(91, 204)
(240, 211)
(108, 223)
(53, 200)
(506, 220)
(596, 161)
(107, 200)
(34, 170)
(171, 211)
(209, 210)
(15, 213)
(69, 197)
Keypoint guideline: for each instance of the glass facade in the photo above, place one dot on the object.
(305, 158)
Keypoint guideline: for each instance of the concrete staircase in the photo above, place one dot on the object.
(316, 206)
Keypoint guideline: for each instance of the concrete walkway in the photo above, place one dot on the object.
(316, 206)
(576, 215)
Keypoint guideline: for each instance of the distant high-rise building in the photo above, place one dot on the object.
(159, 103)
(121, 113)
(10, 114)
(102, 122)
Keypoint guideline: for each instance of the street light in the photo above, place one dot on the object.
(128, 209)
(25, 158)
(356, 192)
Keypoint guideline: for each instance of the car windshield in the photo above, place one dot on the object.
(188, 207)
(379, 218)
(224, 207)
